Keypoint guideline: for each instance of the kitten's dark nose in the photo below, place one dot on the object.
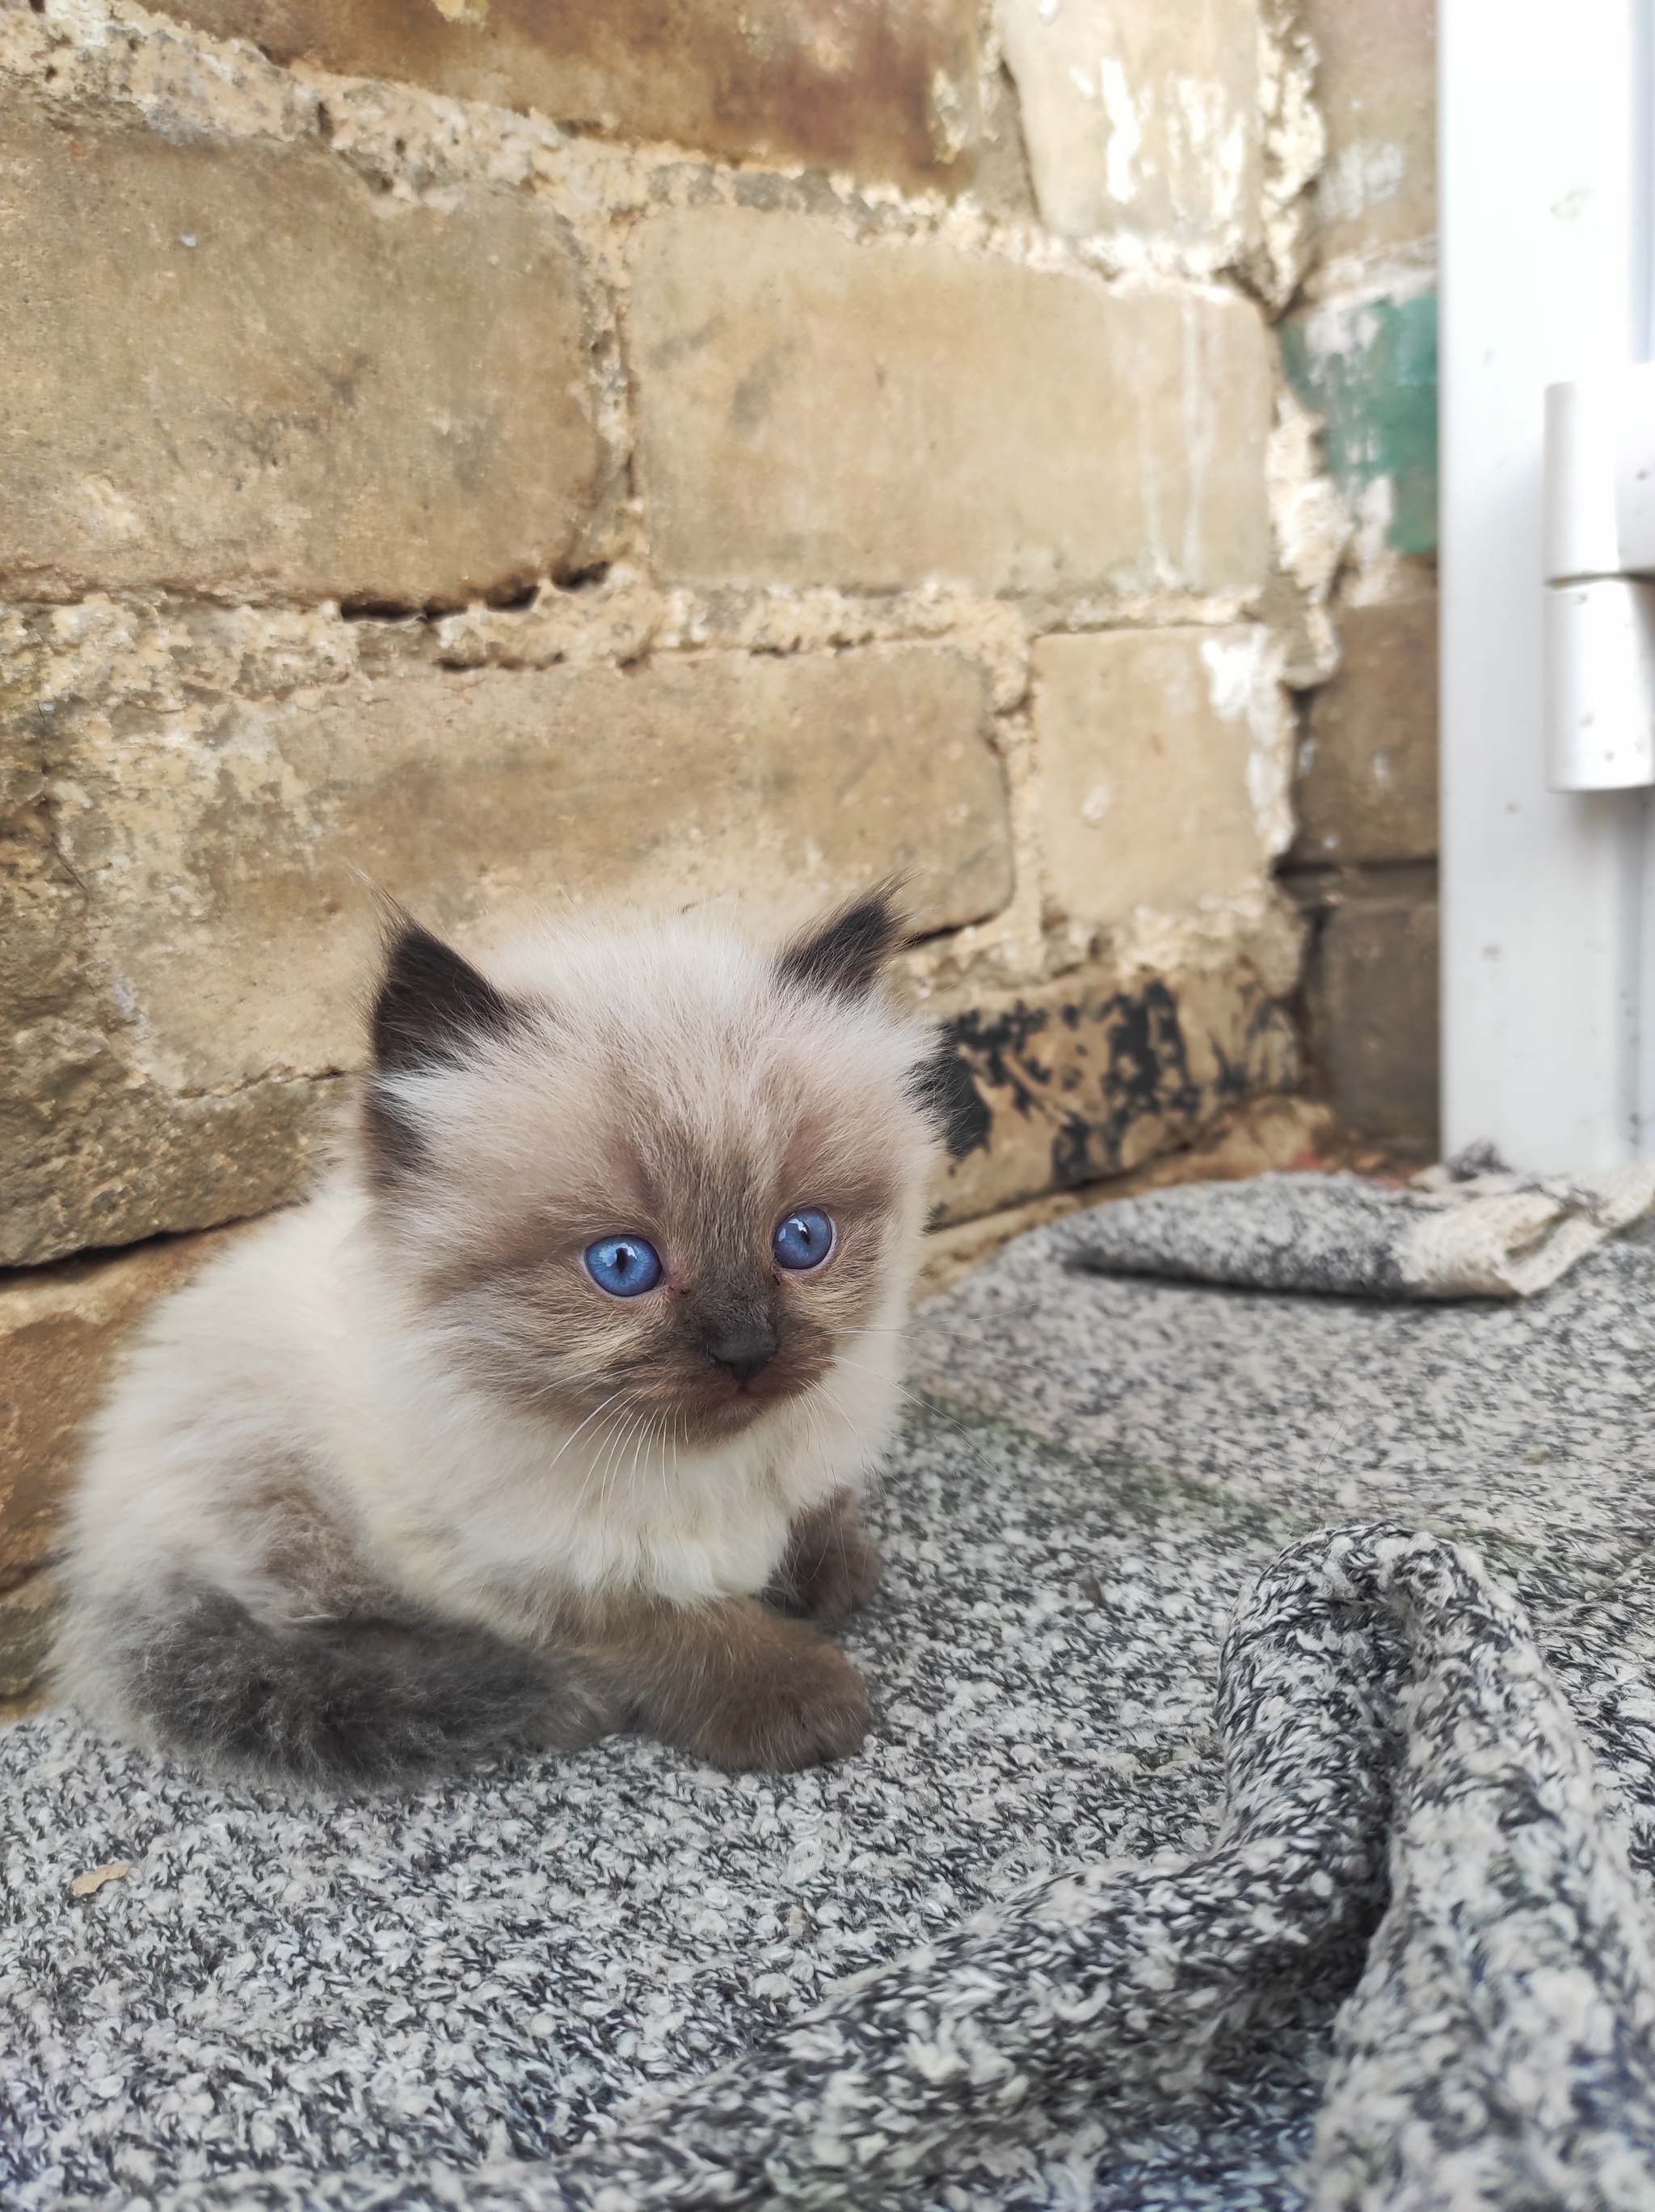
(744, 1350)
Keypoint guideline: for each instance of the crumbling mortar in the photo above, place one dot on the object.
(1155, 610)
(152, 650)
(1296, 149)
(1312, 530)
(640, 614)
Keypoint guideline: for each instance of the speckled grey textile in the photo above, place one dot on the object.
(1109, 1904)
(1491, 1235)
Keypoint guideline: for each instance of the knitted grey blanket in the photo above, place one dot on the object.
(1200, 1858)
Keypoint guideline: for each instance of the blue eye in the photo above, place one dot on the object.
(625, 1267)
(803, 1239)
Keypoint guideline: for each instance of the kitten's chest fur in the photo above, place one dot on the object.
(502, 1517)
(492, 1512)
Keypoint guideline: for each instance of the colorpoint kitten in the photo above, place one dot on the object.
(549, 1414)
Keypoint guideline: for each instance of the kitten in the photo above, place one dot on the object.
(548, 1415)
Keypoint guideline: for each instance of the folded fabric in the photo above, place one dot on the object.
(1447, 1236)
(1398, 1753)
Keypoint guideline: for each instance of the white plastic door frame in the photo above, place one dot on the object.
(1548, 948)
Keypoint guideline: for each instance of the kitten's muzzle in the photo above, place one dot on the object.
(742, 1350)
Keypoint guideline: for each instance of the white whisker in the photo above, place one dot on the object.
(574, 1433)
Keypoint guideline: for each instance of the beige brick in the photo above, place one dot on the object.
(1372, 999)
(815, 411)
(61, 1329)
(1154, 749)
(235, 367)
(195, 936)
(1096, 1073)
(1367, 787)
(1376, 84)
(1144, 124)
(886, 88)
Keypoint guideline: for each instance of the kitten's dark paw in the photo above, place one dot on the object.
(843, 1575)
(805, 1703)
(832, 1566)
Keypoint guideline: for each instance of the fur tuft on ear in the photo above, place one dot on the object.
(944, 1086)
(845, 954)
(430, 1004)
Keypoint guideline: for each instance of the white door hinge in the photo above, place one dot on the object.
(1600, 582)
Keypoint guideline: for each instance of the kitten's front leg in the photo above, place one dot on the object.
(831, 1566)
(733, 1681)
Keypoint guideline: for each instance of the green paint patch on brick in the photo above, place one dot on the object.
(1369, 369)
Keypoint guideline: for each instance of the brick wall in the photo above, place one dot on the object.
(1360, 349)
(726, 451)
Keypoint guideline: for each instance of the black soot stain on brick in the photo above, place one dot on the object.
(1143, 1071)
(996, 1049)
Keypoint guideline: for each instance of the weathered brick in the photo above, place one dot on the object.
(1145, 123)
(1366, 786)
(1376, 85)
(885, 88)
(1098, 1072)
(189, 936)
(61, 1329)
(28, 1618)
(1160, 753)
(815, 411)
(1373, 999)
(233, 366)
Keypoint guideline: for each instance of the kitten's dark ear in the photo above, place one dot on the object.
(944, 1086)
(430, 1004)
(845, 954)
